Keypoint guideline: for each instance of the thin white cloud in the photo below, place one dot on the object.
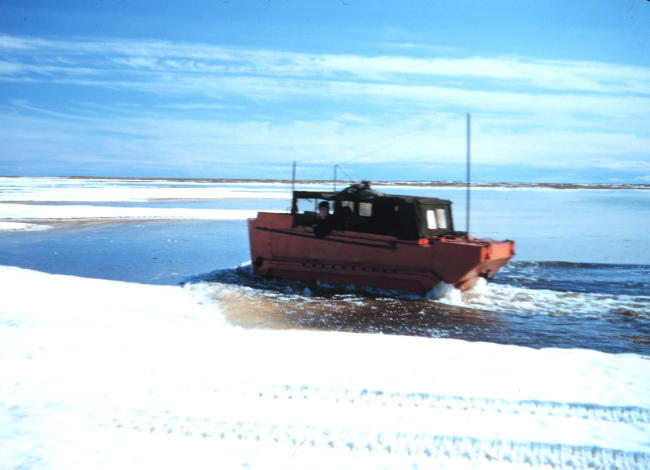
(191, 106)
(534, 112)
(10, 68)
(421, 47)
(419, 97)
(141, 56)
(634, 165)
(137, 62)
(170, 141)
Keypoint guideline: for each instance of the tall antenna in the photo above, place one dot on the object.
(294, 204)
(335, 177)
(468, 172)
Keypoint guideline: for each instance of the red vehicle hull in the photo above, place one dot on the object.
(364, 259)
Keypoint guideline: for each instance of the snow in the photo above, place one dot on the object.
(115, 375)
(69, 212)
(100, 190)
(15, 192)
(14, 226)
(75, 190)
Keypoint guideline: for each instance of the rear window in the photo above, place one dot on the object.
(441, 218)
(349, 204)
(432, 223)
(437, 219)
(365, 209)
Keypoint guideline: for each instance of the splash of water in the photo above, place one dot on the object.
(241, 289)
(445, 293)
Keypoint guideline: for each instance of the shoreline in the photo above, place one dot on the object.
(425, 184)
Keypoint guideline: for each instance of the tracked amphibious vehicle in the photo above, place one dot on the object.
(372, 239)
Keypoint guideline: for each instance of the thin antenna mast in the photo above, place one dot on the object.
(335, 177)
(294, 207)
(468, 170)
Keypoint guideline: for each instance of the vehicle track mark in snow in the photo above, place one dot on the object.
(416, 446)
(612, 414)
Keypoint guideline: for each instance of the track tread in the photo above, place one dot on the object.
(415, 445)
(586, 411)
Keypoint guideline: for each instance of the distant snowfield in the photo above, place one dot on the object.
(77, 212)
(17, 226)
(75, 192)
(98, 190)
(114, 375)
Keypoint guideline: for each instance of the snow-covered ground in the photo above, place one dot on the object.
(105, 374)
(101, 374)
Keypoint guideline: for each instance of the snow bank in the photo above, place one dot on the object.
(104, 374)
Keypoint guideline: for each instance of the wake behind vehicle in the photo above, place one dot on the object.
(372, 239)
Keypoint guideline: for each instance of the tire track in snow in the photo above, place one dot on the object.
(415, 446)
(587, 411)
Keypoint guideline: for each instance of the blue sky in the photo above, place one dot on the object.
(558, 91)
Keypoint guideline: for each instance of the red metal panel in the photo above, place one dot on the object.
(361, 259)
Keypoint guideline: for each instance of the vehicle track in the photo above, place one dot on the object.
(415, 446)
(612, 414)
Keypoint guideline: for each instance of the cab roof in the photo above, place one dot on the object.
(406, 216)
(363, 193)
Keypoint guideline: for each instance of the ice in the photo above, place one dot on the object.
(116, 190)
(116, 375)
(14, 191)
(79, 190)
(105, 374)
(77, 212)
(15, 226)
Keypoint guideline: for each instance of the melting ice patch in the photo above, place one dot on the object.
(204, 296)
(34, 211)
(18, 226)
(98, 190)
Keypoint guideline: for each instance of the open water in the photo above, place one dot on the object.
(581, 277)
